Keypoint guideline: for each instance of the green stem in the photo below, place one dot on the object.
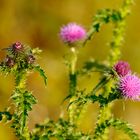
(72, 84)
(73, 60)
(72, 72)
(20, 117)
(118, 33)
(104, 114)
(114, 56)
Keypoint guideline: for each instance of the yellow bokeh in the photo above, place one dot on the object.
(37, 23)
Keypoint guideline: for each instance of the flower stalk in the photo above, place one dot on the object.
(72, 84)
(113, 57)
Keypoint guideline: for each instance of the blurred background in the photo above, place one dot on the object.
(37, 23)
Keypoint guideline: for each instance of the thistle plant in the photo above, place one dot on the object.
(20, 61)
(117, 82)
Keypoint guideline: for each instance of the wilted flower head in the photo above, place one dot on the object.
(122, 68)
(130, 86)
(72, 33)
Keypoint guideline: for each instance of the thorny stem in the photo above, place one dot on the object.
(114, 55)
(21, 112)
(118, 33)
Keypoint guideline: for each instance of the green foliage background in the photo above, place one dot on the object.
(37, 23)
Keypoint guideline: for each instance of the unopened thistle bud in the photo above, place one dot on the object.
(17, 47)
(122, 68)
(9, 61)
(30, 59)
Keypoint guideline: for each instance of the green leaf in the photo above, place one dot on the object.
(94, 65)
(0, 116)
(42, 73)
(8, 115)
(119, 125)
(24, 101)
(116, 16)
(113, 95)
(126, 127)
(44, 137)
(5, 114)
(66, 98)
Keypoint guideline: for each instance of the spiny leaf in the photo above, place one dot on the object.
(113, 95)
(5, 114)
(23, 100)
(126, 127)
(66, 98)
(42, 73)
(118, 124)
(0, 116)
(93, 65)
(103, 16)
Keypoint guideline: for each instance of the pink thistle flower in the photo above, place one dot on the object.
(72, 33)
(122, 68)
(130, 86)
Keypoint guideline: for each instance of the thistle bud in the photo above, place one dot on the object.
(30, 59)
(122, 68)
(9, 61)
(17, 47)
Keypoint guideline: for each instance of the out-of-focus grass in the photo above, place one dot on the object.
(37, 22)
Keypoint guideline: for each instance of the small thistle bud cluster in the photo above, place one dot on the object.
(129, 84)
(19, 55)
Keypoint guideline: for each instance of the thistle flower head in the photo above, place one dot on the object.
(122, 68)
(130, 86)
(17, 47)
(72, 33)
